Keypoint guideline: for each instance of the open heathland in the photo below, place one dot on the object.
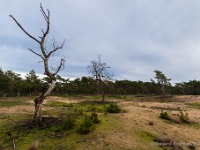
(86, 123)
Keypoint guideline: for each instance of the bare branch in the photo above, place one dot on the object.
(47, 18)
(56, 48)
(24, 29)
(40, 61)
(36, 53)
(42, 31)
(62, 61)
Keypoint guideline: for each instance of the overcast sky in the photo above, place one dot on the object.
(134, 37)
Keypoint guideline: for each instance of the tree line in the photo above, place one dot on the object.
(12, 84)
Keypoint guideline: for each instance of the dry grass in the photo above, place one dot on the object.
(126, 130)
(138, 118)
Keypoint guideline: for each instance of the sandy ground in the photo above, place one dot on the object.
(139, 114)
(128, 135)
(136, 120)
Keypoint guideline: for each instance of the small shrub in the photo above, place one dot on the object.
(69, 123)
(91, 108)
(184, 117)
(94, 118)
(164, 115)
(86, 125)
(79, 111)
(113, 108)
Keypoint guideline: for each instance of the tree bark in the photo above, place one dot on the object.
(38, 101)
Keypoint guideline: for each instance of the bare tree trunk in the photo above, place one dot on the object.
(98, 85)
(38, 101)
(163, 90)
(44, 54)
(102, 91)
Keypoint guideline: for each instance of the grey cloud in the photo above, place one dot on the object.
(133, 37)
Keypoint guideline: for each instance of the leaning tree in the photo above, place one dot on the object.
(162, 80)
(45, 55)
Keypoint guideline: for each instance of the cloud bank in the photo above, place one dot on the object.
(133, 37)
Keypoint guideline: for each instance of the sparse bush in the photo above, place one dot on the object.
(69, 123)
(94, 118)
(79, 111)
(91, 108)
(86, 125)
(164, 115)
(113, 108)
(184, 117)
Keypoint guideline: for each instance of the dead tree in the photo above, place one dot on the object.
(99, 71)
(45, 55)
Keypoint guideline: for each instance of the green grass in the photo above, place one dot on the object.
(146, 136)
(58, 104)
(195, 125)
(9, 103)
(55, 137)
(194, 105)
(61, 136)
(49, 138)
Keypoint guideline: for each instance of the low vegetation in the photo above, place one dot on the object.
(164, 115)
(12, 102)
(89, 124)
(113, 108)
(184, 117)
(69, 123)
(194, 105)
(181, 117)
